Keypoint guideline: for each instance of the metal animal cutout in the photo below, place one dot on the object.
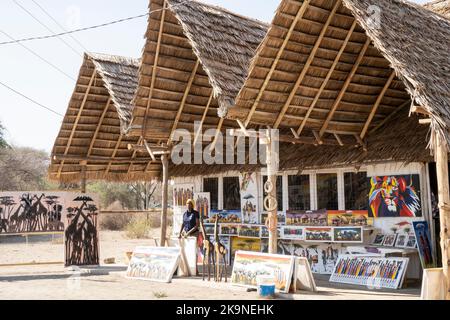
(81, 236)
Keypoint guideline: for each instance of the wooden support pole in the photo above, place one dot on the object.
(83, 176)
(272, 194)
(165, 182)
(441, 154)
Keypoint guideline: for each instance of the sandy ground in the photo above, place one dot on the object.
(108, 281)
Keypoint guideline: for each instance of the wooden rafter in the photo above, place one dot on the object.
(155, 66)
(205, 113)
(183, 101)
(307, 65)
(134, 156)
(344, 87)
(297, 18)
(77, 119)
(327, 78)
(216, 136)
(94, 138)
(390, 116)
(114, 154)
(338, 139)
(377, 104)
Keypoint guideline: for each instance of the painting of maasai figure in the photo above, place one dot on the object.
(395, 196)
(81, 235)
(182, 193)
(423, 238)
(202, 203)
(249, 198)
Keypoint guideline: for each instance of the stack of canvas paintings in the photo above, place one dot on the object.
(249, 265)
(306, 218)
(372, 272)
(153, 263)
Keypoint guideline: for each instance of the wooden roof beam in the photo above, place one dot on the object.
(361, 143)
(338, 139)
(183, 101)
(94, 138)
(306, 65)
(376, 105)
(114, 154)
(327, 78)
(297, 18)
(219, 128)
(155, 64)
(344, 87)
(205, 113)
(420, 110)
(77, 119)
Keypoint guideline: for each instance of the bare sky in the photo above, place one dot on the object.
(29, 125)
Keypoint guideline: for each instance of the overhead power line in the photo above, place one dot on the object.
(46, 27)
(29, 99)
(40, 57)
(59, 25)
(88, 28)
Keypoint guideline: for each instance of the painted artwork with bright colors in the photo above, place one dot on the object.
(395, 196)
(423, 238)
(344, 218)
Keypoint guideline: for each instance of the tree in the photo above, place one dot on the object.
(23, 168)
(3, 143)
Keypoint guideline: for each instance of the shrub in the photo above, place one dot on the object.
(138, 228)
(114, 222)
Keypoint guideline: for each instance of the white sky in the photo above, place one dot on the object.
(26, 123)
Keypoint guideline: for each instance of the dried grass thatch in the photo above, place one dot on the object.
(92, 129)
(439, 6)
(195, 60)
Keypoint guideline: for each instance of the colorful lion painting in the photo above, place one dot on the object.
(395, 196)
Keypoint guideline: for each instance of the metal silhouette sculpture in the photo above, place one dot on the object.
(81, 236)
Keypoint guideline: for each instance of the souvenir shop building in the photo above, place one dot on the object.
(360, 104)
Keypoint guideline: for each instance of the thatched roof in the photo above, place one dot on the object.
(439, 6)
(327, 75)
(92, 129)
(199, 55)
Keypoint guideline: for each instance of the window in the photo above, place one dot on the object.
(231, 193)
(327, 193)
(211, 185)
(279, 192)
(298, 191)
(356, 191)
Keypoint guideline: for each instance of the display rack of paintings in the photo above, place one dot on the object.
(306, 218)
(373, 272)
(422, 233)
(389, 240)
(292, 232)
(182, 193)
(228, 229)
(395, 196)
(202, 203)
(249, 231)
(281, 218)
(348, 234)
(248, 265)
(411, 243)
(225, 216)
(249, 198)
(316, 234)
(153, 263)
(349, 218)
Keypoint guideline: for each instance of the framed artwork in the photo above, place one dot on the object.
(411, 243)
(303, 278)
(348, 234)
(265, 232)
(349, 218)
(389, 240)
(292, 232)
(306, 218)
(154, 263)
(374, 272)
(379, 239)
(401, 240)
(249, 198)
(245, 244)
(182, 193)
(228, 229)
(249, 231)
(281, 218)
(316, 234)
(209, 228)
(248, 265)
(226, 216)
(202, 203)
(395, 196)
(422, 233)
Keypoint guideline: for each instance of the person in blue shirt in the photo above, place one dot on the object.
(191, 221)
